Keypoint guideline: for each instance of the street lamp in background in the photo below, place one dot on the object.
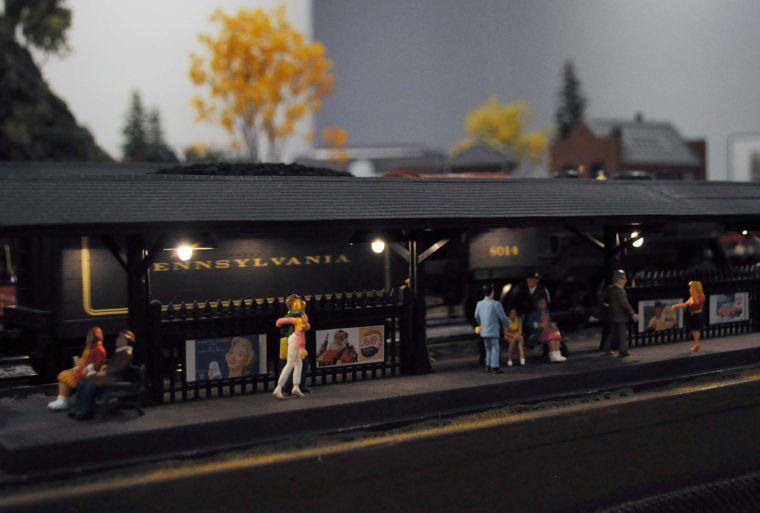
(637, 243)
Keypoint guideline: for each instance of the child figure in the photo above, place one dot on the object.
(513, 333)
(298, 319)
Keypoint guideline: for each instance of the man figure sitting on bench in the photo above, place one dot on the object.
(115, 370)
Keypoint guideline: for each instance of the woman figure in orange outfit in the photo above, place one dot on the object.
(695, 317)
(92, 359)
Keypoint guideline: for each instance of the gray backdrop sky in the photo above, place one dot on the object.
(118, 46)
(410, 71)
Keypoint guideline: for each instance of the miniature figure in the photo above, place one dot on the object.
(513, 334)
(526, 295)
(296, 347)
(695, 319)
(285, 332)
(488, 313)
(545, 332)
(114, 370)
(93, 356)
(619, 313)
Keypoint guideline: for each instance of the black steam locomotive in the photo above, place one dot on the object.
(67, 285)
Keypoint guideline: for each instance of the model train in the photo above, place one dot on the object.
(66, 285)
(572, 270)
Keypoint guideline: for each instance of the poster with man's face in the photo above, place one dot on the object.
(350, 346)
(210, 359)
(733, 307)
(655, 315)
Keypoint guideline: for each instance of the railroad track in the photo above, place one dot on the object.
(552, 435)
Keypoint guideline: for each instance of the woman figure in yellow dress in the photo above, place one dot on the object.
(92, 359)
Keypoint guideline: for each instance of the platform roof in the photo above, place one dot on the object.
(125, 202)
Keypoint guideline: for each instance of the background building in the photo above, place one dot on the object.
(410, 71)
(616, 146)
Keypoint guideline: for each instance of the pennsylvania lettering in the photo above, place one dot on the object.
(244, 263)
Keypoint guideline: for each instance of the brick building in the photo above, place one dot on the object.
(617, 146)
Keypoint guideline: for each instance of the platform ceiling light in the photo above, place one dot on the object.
(378, 246)
(638, 243)
(185, 247)
(184, 252)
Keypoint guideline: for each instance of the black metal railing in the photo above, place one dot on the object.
(175, 327)
(741, 283)
(679, 278)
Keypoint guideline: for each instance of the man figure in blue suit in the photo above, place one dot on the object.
(488, 313)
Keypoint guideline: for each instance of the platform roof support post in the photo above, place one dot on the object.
(419, 363)
(138, 294)
(611, 252)
(138, 262)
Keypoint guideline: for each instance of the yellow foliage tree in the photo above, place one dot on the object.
(335, 138)
(502, 126)
(260, 76)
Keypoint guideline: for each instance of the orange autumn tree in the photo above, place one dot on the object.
(259, 76)
(335, 138)
(503, 127)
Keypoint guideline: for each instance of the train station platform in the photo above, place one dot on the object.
(37, 442)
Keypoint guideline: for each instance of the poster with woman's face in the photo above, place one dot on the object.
(350, 346)
(210, 359)
(654, 315)
(732, 307)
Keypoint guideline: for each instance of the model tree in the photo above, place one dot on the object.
(503, 127)
(41, 24)
(259, 76)
(335, 138)
(200, 153)
(144, 135)
(34, 123)
(135, 144)
(158, 150)
(572, 104)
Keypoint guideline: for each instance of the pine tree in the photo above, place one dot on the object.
(572, 103)
(135, 144)
(158, 150)
(155, 132)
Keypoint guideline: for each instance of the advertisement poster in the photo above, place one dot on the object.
(350, 346)
(225, 357)
(729, 307)
(655, 316)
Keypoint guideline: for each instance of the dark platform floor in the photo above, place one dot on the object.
(34, 440)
